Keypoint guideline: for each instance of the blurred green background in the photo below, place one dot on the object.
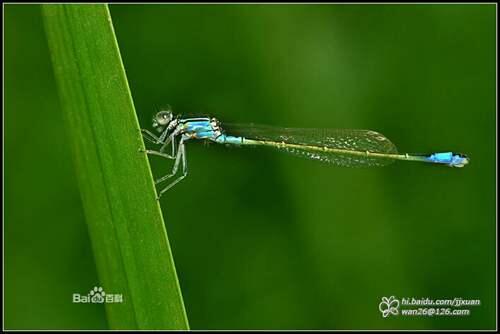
(263, 240)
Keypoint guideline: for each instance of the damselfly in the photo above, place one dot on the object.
(348, 148)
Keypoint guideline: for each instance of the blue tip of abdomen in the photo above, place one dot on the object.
(449, 158)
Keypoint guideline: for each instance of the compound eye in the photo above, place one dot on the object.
(163, 118)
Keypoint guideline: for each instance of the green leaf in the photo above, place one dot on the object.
(126, 228)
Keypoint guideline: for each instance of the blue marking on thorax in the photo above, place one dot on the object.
(198, 126)
(200, 129)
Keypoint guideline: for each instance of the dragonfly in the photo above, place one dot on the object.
(340, 147)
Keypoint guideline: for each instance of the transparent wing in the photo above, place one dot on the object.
(340, 147)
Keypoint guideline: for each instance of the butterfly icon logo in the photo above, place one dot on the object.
(389, 306)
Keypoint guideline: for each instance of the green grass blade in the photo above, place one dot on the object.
(127, 232)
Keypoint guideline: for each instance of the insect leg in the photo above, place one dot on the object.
(178, 159)
(161, 153)
(181, 153)
(150, 136)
